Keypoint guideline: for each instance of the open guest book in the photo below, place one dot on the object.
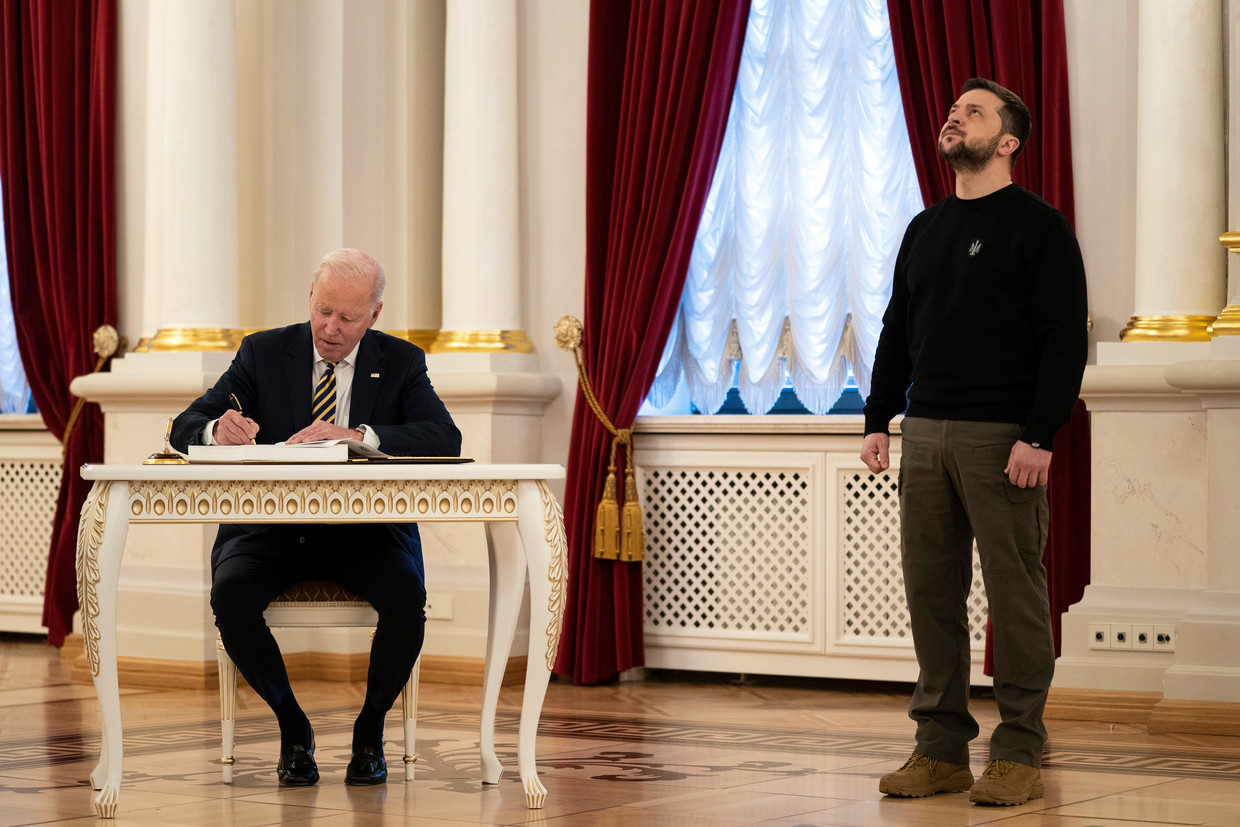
(323, 450)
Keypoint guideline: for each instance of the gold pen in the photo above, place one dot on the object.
(237, 404)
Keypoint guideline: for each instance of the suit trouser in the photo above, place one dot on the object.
(953, 490)
(258, 566)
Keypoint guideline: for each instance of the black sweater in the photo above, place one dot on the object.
(987, 317)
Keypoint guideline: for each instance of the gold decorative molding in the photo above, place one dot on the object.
(481, 341)
(274, 501)
(1227, 323)
(90, 538)
(1167, 329)
(193, 338)
(422, 338)
(553, 530)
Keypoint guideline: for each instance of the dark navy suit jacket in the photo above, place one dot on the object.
(272, 377)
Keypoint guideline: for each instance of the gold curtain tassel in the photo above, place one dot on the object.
(609, 542)
(607, 521)
(632, 544)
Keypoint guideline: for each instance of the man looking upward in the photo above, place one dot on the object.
(328, 378)
(984, 341)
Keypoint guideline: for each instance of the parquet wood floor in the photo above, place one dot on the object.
(675, 749)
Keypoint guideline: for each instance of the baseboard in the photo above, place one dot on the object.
(1150, 709)
(132, 672)
(326, 666)
(469, 671)
(1109, 705)
(1196, 717)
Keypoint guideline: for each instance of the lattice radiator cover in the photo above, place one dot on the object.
(28, 491)
(792, 553)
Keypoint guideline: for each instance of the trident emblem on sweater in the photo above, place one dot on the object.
(975, 247)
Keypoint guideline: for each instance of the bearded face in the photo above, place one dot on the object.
(965, 156)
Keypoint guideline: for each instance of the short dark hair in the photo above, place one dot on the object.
(1013, 113)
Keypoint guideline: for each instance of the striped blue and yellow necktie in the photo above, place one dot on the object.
(323, 406)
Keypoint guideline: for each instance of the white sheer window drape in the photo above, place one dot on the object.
(791, 269)
(14, 391)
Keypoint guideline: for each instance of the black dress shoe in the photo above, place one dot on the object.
(296, 767)
(366, 767)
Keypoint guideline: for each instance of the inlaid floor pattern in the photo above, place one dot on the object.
(674, 749)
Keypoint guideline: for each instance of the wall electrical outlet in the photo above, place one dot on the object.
(1143, 638)
(1121, 636)
(1100, 636)
(1164, 638)
(439, 607)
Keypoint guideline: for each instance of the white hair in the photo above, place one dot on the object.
(353, 266)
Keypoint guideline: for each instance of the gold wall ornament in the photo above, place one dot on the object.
(553, 531)
(1167, 329)
(617, 533)
(90, 539)
(193, 338)
(481, 341)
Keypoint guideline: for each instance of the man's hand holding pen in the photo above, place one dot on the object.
(234, 427)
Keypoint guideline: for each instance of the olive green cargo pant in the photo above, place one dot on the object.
(953, 490)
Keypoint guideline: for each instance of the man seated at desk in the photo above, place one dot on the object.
(328, 378)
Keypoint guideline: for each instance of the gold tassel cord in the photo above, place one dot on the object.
(617, 528)
(106, 342)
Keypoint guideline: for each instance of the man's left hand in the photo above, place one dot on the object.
(1028, 466)
(322, 430)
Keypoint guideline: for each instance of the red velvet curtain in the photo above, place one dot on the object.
(939, 44)
(58, 75)
(661, 75)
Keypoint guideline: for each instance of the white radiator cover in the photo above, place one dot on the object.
(29, 485)
(775, 552)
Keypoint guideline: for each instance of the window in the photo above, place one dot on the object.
(791, 269)
(14, 390)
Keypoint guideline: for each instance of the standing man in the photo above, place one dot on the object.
(985, 343)
(329, 378)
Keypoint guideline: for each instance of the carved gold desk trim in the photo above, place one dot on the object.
(275, 501)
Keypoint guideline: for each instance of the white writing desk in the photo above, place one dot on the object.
(525, 532)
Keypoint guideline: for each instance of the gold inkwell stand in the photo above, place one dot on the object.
(167, 456)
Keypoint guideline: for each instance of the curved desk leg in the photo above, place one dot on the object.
(100, 544)
(507, 564)
(541, 523)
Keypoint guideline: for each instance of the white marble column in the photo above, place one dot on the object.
(1180, 269)
(481, 248)
(191, 177)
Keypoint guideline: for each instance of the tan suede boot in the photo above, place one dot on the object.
(1007, 782)
(922, 775)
